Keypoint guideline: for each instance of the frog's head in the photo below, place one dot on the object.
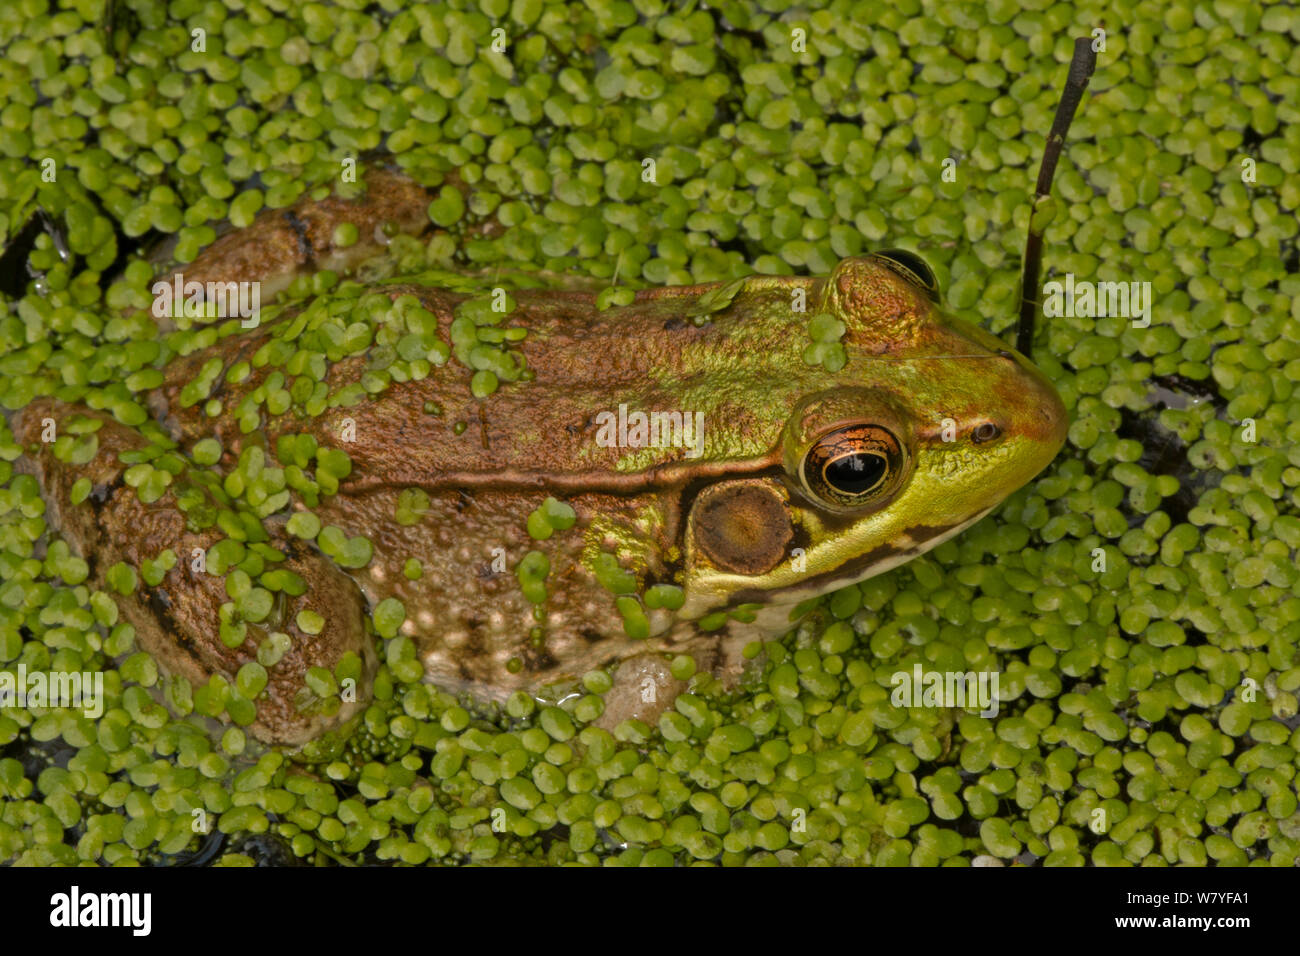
(929, 424)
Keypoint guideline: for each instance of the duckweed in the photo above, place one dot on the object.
(1139, 599)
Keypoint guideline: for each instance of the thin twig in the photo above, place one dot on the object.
(1081, 67)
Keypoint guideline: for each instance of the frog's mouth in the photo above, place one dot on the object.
(876, 561)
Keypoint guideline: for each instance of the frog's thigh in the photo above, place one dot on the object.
(643, 688)
(178, 620)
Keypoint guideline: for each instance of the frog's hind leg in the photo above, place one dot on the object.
(179, 618)
(281, 244)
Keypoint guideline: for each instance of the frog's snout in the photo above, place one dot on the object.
(1042, 417)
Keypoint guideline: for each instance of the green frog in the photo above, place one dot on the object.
(518, 487)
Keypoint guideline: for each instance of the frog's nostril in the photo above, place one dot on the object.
(1054, 421)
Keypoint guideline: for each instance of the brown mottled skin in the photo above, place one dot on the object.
(177, 620)
(720, 526)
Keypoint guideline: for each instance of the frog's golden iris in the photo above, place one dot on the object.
(850, 467)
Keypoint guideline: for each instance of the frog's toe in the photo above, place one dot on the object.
(186, 618)
(643, 688)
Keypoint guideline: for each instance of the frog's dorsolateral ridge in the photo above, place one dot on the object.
(524, 484)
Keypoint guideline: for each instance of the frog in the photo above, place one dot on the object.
(516, 488)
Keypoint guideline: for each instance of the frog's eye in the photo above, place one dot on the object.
(852, 466)
(912, 268)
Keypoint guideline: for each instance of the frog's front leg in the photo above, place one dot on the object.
(643, 688)
(178, 618)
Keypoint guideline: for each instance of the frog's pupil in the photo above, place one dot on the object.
(855, 474)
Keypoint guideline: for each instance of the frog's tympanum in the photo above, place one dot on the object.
(526, 485)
